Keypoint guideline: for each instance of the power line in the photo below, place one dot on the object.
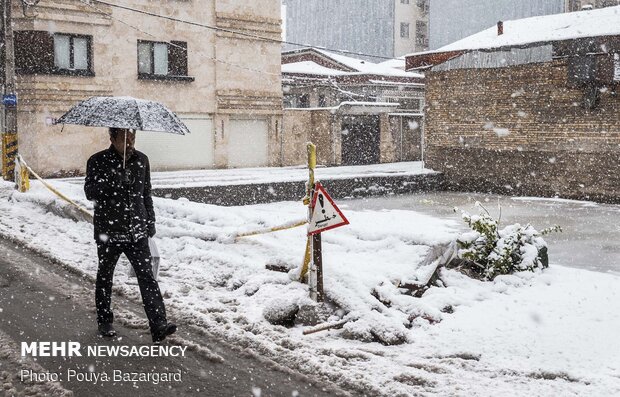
(235, 32)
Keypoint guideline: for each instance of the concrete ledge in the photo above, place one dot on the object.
(245, 194)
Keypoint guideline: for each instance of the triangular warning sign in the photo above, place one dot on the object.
(325, 214)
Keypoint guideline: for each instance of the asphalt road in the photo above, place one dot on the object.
(40, 301)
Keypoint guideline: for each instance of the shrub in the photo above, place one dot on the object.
(495, 251)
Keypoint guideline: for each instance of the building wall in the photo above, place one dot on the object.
(323, 128)
(244, 83)
(415, 14)
(522, 130)
(452, 20)
(296, 134)
(575, 5)
(364, 26)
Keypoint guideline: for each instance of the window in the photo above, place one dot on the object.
(39, 52)
(304, 101)
(289, 101)
(404, 1)
(296, 101)
(405, 103)
(71, 52)
(404, 30)
(162, 61)
(421, 33)
(616, 67)
(423, 5)
(322, 101)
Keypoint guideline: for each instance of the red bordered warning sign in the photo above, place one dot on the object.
(325, 214)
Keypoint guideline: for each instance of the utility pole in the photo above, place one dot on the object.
(9, 98)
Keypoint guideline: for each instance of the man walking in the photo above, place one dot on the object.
(118, 180)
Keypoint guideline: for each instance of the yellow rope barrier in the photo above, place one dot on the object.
(286, 226)
(56, 192)
(289, 225)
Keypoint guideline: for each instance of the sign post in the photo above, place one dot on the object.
(317, 264)
(323, 215)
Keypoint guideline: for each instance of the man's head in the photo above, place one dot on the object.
(117, 137)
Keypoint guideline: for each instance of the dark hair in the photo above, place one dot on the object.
(114, 131)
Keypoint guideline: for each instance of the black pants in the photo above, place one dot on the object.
(139, 256)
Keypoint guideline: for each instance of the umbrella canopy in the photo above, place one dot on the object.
(124, 112)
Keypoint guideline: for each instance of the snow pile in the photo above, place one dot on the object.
(468, 337)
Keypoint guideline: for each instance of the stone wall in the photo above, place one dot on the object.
(295, 134)
(323, 128)
(523, 130)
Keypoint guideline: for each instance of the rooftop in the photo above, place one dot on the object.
(343, 65)
(557, 27)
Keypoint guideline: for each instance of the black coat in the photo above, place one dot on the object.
(123, 203)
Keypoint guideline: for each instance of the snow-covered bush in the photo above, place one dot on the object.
(495, 251)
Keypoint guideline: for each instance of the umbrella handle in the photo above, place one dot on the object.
(125, 150)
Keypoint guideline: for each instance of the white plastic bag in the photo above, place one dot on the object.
(154, 262)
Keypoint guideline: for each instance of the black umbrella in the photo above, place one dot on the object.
(124, 112)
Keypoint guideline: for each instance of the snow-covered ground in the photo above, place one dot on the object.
(535, 334)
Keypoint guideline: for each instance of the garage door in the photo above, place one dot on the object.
(171, 151)
(247, 143)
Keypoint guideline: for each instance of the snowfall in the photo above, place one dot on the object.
(550, 333)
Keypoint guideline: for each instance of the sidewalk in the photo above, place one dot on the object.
(267, 175)
(263, 185)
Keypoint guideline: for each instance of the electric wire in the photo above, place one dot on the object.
(330, 81)
(349, 94)
(235, 32)
(175, 45)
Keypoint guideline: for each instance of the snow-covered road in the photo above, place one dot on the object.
(590, 237)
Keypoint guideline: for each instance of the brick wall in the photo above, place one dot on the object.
(523, 130)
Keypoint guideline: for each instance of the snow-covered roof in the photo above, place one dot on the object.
(391, 68)
(557, 27)
(396, 63)
(309, 67)
(368, 67)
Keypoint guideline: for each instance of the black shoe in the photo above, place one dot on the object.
(107, 330)
(161, 332)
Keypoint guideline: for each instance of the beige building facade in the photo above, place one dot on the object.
(225, 86)
(410, 26)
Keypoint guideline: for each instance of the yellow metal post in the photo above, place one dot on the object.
(311, 166)
(311, 148)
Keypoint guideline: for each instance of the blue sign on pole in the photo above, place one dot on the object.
(9, 100)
